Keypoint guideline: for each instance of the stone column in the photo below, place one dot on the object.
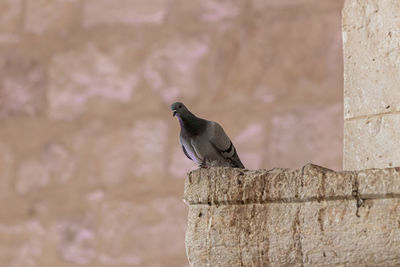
(371, 42)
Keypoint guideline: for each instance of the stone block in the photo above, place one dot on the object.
(317, 183)
(76, 239)
(370, 142)
(251, 70)
(21, 243)
(98, 12)
(114, 156)
(10, 20)
(59, 16)
(236, 186)
(122, 224)
(238, 240)
(87, 74)
(239, 186)
(53, 164)
(333, 234)
(371, 36)
(7, 162)
(171, 68)
(22, 84)
(370, 182)
(331, 219)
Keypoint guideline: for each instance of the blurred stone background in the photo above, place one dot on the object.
(91, 170)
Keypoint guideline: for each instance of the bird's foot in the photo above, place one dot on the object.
(203, 166)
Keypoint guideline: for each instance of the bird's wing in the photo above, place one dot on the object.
(184, 151)
(223, 144)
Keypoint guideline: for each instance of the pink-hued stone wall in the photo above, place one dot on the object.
(91, 171)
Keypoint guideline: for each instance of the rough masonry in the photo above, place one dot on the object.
(305, 217)
(371, 50)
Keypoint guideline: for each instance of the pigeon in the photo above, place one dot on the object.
(205, 142)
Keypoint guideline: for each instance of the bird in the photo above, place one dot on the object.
(204, 142)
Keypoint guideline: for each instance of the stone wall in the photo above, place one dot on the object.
(285, 217)
(371, 38)
(91, 171)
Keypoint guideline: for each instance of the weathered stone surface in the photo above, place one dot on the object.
(6, 167)
(76, 240)
(371, 57)
(263, 80)
(10, 20)
(22, 84)
(333, 234)
(305, 217)
(242, 186)
(310, 183)
(97, 12)
(371, 142)
(370, 182)
(117, 216)
(59, 16)
(55, 164)
(76, 77)
(122, 153)
(169, 69)
(210, 11)
(371, 38)
(21, 244)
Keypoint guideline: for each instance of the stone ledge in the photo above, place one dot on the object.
(307, 217)
(311, 183)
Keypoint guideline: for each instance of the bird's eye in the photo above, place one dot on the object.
(179, 106)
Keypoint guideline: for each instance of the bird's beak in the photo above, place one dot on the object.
(173, 113)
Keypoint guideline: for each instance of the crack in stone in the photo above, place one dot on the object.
(365, 117)
(297, 236)
(356, 194)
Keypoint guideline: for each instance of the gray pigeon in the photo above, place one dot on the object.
(203, 141)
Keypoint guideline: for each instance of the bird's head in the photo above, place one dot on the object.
(178, 109)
